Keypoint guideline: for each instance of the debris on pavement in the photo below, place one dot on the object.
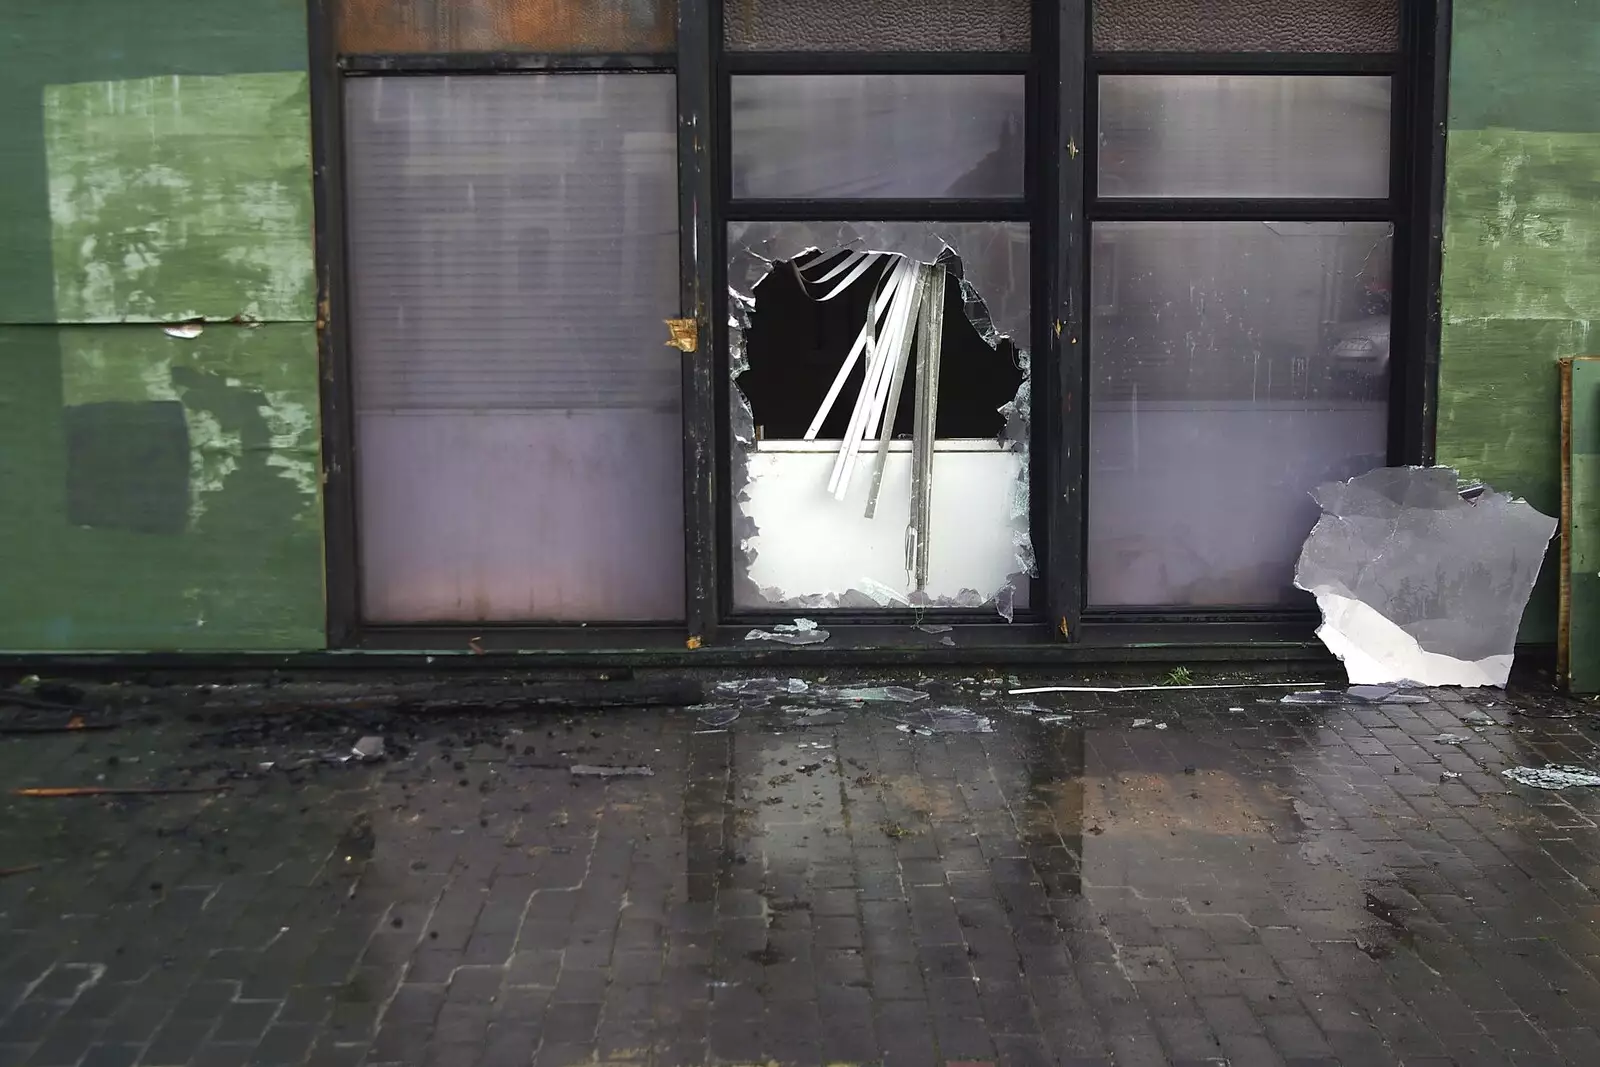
(1316, 697)
(369, 749)
(799, 632)
(716, 714)
(9, 872)
(945, 721)
(1419, 581)
(1154, 688)
(1384, 694)
(874, 694)
(1556, 776)
(70, 726)
(764, 686)
(574, 696)
(37, 703)
(587, 770)
(1451, 739)
(54, 792)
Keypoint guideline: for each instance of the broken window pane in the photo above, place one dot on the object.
(513, 252)
(376, 26)
(1244, 136)
(881, 26)
(1247, 25)
(801, 354)
(1234, 367)
(849, 136)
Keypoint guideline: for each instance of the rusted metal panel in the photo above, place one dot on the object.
(380, 26)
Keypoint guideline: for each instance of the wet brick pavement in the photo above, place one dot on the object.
(1236, 881)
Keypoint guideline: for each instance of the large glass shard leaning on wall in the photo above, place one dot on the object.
(798, 299)
(1234, 366)
(847, 136)
(1418, 581)
(513, 252)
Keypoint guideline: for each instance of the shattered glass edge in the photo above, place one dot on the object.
(754, 248)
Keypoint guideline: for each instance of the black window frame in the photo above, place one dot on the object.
(329, 70)
(1060, 69)
(1030, 208)
(1413, 208)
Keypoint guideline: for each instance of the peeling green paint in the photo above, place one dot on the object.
(183, 196)
(155, 164)
(1522, 239)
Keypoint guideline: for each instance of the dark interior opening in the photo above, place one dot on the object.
(796, 344)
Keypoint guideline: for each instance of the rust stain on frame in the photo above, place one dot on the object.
(375, 26)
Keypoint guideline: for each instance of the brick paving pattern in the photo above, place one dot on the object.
(1236, 881)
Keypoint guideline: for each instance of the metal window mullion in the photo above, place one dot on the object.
(1066, 468)
(698, 140)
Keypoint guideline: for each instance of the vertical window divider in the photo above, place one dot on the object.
(700, 134)
(342, 570)
(1066, 325)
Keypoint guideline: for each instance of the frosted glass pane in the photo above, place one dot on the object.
(513, 252)
(1244, 136)
(507, 25)
(1247, 25)
(880, 26)
(1234, 367)
(879, 135)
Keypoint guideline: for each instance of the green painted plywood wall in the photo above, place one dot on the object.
(1521, 281)
(157, 491)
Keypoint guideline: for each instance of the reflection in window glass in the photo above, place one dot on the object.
(879, 26)
(507, 25)
(1247, 25)
(848, 136)
(1234, 367)
(513, 251)
(1244, 136)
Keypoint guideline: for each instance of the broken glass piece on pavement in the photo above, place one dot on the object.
(1316, 696)
(586, 770)
(804, 717)
(1383, 694)
(1416, 582)
(1558, 776)
(715, 714)
(799, 632)
(368, 749)
(763, 686)
(946, 721)
(875, 694)
(928, 628)
(1451, 739)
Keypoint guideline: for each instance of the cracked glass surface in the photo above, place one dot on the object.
(1419, 581)
(991, 262)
